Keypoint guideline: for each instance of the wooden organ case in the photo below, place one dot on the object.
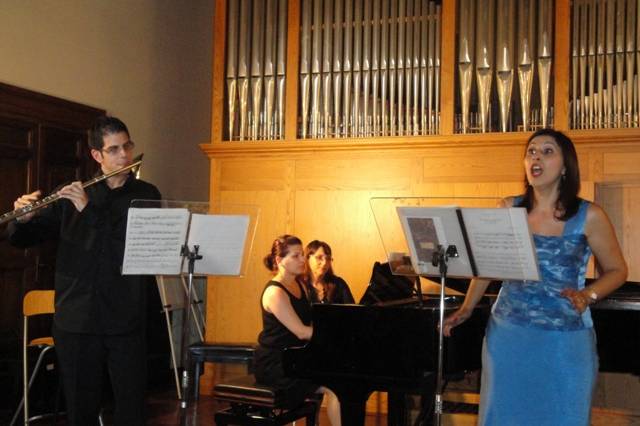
(319, 105)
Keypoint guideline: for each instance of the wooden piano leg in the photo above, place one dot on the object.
(353, 401)
(396, 409)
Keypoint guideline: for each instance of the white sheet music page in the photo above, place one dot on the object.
(221, 240)
(427, 227)
(501, 243)
(154, 240)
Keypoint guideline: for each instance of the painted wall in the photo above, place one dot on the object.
(147, 62)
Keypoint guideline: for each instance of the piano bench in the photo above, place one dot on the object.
(256, 404)
(235, 353)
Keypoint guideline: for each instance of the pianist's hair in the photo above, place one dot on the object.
(280, 248)
(311, 249)
(568, 201)
(105, 125)
(328, 278)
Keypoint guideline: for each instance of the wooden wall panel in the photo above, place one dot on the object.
(622, 203)
(486, 165)
(233, 312)
(345, 221)
(265, 175)
(391, 174)
(621, 166)
(326, 193)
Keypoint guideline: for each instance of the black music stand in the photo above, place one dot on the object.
(168, 237)
(478, 241)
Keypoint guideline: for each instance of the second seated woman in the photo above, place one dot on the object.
(324, 286)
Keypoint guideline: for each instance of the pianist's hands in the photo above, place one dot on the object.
(455, 319)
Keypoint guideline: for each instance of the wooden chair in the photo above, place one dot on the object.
(35, 302)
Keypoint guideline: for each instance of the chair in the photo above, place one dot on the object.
(36, 302)
(228, 353)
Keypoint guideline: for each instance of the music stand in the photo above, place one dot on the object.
(173, 292)
(462, 237)
(168, 237)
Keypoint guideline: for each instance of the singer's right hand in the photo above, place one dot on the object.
(25, 200)
(455, 319)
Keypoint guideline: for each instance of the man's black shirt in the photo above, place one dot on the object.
(91, 294)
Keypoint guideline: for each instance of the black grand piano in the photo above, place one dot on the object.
(392, 347)
(616, 320)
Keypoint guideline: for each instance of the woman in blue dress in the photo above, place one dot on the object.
(539, 355)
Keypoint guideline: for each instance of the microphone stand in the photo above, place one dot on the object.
(192, 256)
(440, 259)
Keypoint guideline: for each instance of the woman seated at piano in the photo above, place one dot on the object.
(286, 322)
(323, 285)
(539, 356)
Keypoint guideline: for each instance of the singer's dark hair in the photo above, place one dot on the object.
(280, 248)
(568, 200)
(103, 126)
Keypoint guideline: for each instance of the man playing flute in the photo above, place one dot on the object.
(100, 314)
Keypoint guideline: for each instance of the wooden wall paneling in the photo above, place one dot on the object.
(474, 164)
(622, 204)
(291, 86)
(339, 174)
(621, 166)
(591, 167)
(41, 140)
(241, 184)
(344, 220)
(561, 66)
(233, 312)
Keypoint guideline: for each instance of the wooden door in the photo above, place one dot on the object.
(43, 143)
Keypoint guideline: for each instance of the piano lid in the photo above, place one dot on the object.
(626, 298)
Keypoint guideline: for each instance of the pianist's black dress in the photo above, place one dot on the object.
(272, 341)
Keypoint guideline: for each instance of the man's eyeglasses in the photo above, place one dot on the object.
(114, 149)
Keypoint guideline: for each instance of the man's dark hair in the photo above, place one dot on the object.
(103, 126)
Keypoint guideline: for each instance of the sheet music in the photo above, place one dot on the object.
(427, 227)
(154, 240)
(221, 239)
(501, 244)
